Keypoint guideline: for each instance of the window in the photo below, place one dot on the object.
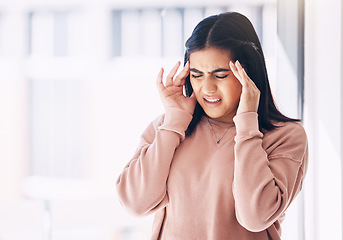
(163, 32)
(48, 33)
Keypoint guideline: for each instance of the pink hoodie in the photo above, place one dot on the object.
(238, 189)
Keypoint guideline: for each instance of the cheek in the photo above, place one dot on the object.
(195, 86)
(234, 91)
(196, 90)
(239, 90)
(237, 86)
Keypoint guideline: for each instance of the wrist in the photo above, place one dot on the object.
(176, 120)
(246, 122)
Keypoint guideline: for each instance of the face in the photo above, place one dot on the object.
(216, 88)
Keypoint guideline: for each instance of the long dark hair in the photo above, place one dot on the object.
(234, 32)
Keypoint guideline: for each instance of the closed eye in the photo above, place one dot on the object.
(196, 76)
(221, 77)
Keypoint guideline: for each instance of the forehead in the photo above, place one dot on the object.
(210, 58)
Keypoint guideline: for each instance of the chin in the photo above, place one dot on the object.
(213, 115)
(220, 116)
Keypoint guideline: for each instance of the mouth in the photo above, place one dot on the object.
(212, 100)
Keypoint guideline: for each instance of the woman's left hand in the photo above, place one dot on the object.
(250, 95)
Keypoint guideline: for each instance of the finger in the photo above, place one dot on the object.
(244, 79)
(240, 69)
(169, 80)
(159, 80)
(180, 79)
(235, 71)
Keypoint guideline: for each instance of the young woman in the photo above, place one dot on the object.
(222, 162)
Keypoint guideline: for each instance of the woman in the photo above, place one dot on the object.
(222, 162)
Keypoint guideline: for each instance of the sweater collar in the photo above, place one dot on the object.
(216, 123)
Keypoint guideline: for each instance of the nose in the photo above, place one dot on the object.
(209, 86)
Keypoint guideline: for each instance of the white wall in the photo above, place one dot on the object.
(323, 118)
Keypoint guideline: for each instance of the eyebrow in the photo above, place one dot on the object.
(214, 71)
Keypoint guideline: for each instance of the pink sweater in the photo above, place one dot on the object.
(238, 189)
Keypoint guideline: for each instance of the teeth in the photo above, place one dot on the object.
(212, 100)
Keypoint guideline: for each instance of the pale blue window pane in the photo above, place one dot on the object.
(172, 33)
(192, 16)
(151, 32)
(116, 31)
(42, 34)
(131, 32)
(61, 34)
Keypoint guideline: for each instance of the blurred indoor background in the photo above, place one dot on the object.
(77, 88)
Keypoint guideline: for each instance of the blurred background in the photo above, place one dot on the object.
(77, 88)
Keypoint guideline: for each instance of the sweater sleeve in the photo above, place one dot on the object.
(141, 186)
(265, 184)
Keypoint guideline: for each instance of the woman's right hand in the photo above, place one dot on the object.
(171, 92)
